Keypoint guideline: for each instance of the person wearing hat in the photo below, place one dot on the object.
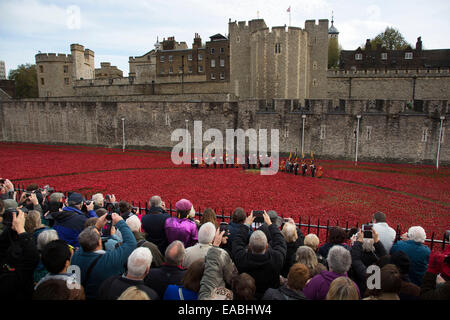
(181, 227)
(5, 205)
(70, 221)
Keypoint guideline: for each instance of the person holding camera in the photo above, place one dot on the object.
(18, 257)
(29, 200)
(70, 221)
(385, 233)
(97, 265)
(6, 189)
(261, 261)
(219, 268)
(365, 251)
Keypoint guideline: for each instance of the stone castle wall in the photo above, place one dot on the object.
(390, 84)
(388, 132)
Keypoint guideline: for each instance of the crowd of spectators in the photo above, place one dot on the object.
(58, 248)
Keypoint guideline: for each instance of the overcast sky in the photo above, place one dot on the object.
(117, 29)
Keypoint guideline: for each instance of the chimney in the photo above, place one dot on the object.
(368, 45)
(169, 44)
(419, 44)
(197, 42)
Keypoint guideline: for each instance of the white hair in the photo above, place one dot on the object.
(155, 201)
(206, 233)
(339, 259)
(98, 199)
(417, 234)
(258, 242)
(139, 261)
(134, 223)
(368, 245)
(289, 232)
(45, 237)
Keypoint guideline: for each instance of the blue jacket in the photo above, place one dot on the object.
(110, 264)
(419, 255)
(174, 292)
(69, 223)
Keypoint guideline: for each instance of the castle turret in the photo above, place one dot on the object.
(332, 31)
(83, 61)
(54, 74)
(317, 58)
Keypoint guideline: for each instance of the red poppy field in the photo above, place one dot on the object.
(408, 194)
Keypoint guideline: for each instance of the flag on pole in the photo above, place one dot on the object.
(312, 155)
(289, 9)
(290, 156)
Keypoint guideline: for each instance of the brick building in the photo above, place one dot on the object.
(217, 64)
(382, 58)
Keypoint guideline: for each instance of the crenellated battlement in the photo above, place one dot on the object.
(250, 26)
(390, 72)
(310, 25)
(279, 30)
(53, 57)
(76, 47)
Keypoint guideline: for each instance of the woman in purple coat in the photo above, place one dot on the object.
(339, 262)
(181, 227)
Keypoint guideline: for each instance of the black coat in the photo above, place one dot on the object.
(361, 260)
(113, 287)
(264, 268)
(429, 291)
(291, 253)
(20, 253)
(159, 278)
(234, 228)
(283, 293)
(153, 224)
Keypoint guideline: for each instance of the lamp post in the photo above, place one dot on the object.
(303, 131)
(123, 134)
(357, 139)
(187, 134)
(439, 142)
(182, 74)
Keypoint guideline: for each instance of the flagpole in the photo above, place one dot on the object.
(289, 10)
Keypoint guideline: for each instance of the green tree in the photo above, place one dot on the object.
(25, 79)
(391, 39)
(334, 51)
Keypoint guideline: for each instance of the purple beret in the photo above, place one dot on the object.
(183, 205)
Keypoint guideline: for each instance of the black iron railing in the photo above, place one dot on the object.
(317, 227)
